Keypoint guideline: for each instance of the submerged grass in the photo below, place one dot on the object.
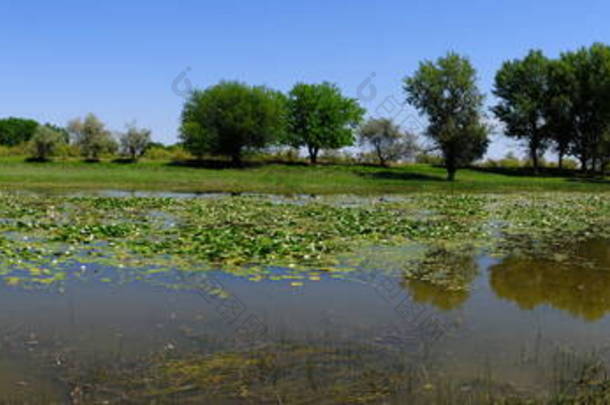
(293, 373)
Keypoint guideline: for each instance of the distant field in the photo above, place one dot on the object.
(15, 173)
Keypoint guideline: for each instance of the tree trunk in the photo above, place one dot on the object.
(534, 157)
(451, 169)
(236, 159)
(584, 163)
(560, 161)
(451, 173)
(313, 154)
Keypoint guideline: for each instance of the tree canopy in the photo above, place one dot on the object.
(522, 87)
(92, 137)
(14, 131)
(135, 141)
(45, 142)
(231, 117)
(445, 91)
(320, 117)
(388, 141)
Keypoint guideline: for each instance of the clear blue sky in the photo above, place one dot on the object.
(118, 59)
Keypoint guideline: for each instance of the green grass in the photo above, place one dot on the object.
(15, 173)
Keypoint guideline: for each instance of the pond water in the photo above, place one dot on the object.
(522, 326)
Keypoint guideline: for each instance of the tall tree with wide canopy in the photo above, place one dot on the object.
(587, 88)
(445, 91)
(230, 117)
(320, 117)
(521, 86)
(559, 123)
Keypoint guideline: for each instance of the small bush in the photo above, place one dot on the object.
(17, 150)
(178, 154)
(45, 143)
(337, 157)
(134, 142)
(158, 153)
(428, 158)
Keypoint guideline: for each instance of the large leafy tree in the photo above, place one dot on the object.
(522, 89)
(231, 117)
(586, 83)
(14, 131)
(320, 117)
(388, 141)
(445, 91)
(92, 137)
(558, 116)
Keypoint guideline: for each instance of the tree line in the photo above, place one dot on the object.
(89, 136)
(561, 104)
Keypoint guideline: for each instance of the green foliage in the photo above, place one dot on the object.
(320, 117)
(428, 158)
(14, 131)
(135, 141)
(47, 232)
(585, 80)
(91, 137)
(165, 153)
(446, 92)
(509, 161)
(388, 141)
(522, 89)
(46, 142)
(230, 117)
(564, 101)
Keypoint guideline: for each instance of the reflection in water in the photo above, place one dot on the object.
(426, 293)
(102, 331)
(444, 278)
(596, 251)
(582, 292)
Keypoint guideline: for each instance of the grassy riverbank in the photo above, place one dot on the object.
(15, 173)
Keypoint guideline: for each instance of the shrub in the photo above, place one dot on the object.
(92, 138)
(134, 142)
(45, 143)
(428, 158)
(388, 142)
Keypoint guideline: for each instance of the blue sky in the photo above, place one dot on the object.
(119, 59)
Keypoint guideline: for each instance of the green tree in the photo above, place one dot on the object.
(135, 141)
(14, 131)
(92, 137)
(63, 131)
(559, 121)
(445, 91)
(388, 141)
(320, 117)
(45, 142)
(604, 152)
(587, 89)
(522, 88)
(231, 117)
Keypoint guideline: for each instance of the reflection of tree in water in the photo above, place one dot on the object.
(443, 278)
(582, 292)
(425, 293)
(597, 251)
